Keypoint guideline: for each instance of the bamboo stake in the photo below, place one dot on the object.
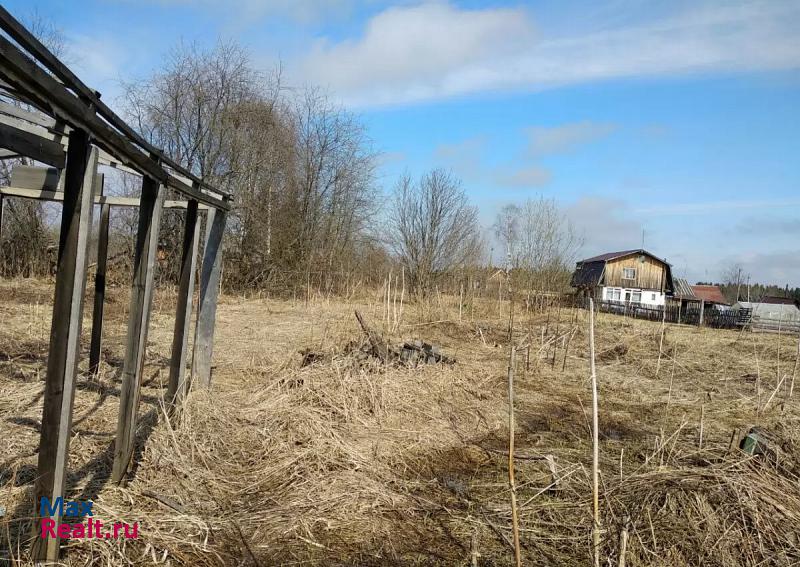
(661, 341)
(474, 550)
(794, 372)
(595, 443)
(460, 301)
(623, 542)
(511, 482)
(758, 378)
(702, 417)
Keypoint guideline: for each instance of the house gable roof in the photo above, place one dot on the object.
(621, 254)
(589, 272)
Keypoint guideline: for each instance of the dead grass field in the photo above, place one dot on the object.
(346, 462)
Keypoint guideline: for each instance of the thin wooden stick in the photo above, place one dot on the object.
(661, 340)
(794, 372)
(511, 482)
(595, 443)
(758, 377)
(702, 418)
(623, 542)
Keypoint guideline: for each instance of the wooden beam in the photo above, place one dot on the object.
(29, 42)
(32, 146)
(48, 195)
(62, 360)
(49, 129)
(139, 314)
(177, 387)
(1, 218)
(21, 70)
(209, 291)
(99, 290)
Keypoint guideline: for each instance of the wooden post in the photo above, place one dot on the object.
(512, 484)
(209, 291)
(1, 218)
(595, 444)
(65, 334)
(139, 314)
(702, 311)
(177, 366)
(99, 287)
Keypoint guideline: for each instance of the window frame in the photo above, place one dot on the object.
(625, 272)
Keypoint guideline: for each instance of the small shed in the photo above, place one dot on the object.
(771, 316)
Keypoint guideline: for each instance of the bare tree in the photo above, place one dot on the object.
(732, 278)
(542, 240)
(433, 228)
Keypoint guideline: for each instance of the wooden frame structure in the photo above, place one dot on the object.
(70, 130)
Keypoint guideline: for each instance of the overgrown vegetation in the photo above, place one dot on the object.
(348, 461)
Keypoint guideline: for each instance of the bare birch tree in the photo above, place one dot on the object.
(433, 227)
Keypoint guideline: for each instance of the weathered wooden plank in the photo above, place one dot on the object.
(209, 291)
(49, 195)
(32, 146)
(29, 42)
(139, 314)
(49, 129)
(177, 369)
(62, 360)
(44, 179)
(22, 71)
(99, 290)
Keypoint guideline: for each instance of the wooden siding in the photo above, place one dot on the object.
(650, 273)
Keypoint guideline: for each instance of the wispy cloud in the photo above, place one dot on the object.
(467, 158)
(530, 176)
(435, 50)
(565, 137)
(715, 206)
(769, 226)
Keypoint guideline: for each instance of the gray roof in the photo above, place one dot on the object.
(683, 290)
(587, 274)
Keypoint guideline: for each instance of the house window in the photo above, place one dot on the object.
(636, 297)
(628, 273)
(652, 296)
(613, 294)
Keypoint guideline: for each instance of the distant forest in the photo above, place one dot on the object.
(757, 291)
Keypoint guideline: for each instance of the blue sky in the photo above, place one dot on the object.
(677, 119)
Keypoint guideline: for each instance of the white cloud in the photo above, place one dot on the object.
(530, 176)
(605, 224)
(556, 139)
(435, 50)
(467, 158)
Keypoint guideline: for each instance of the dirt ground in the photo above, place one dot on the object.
(346, 461)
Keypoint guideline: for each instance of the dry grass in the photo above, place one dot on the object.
(348, 462)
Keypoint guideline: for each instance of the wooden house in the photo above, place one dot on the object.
(629, 276)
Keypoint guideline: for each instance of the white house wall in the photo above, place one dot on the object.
(649, 297)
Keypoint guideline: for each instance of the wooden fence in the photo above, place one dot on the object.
(728, 319)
